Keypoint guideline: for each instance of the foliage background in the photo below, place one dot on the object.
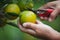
(9, 32)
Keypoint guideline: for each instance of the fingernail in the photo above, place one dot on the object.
(50, 20)
(24, 25)
(45, 18)
(41, 17)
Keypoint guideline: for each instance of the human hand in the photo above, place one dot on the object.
(39, 30)
(56, 6)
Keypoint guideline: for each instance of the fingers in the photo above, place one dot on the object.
(47, 6)
(30, 26)
(38, 22)
(44, 18)
(56, 8)
(53, 15)
(29, 31)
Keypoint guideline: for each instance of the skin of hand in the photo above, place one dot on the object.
(58, 0)
(40, 30)
(56, 6)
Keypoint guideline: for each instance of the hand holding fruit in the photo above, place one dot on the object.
(28, 24)
(39, 30)
(56, 6)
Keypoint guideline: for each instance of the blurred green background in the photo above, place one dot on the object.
(9, 32)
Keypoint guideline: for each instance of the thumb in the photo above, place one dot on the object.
(53, 15)
(30, 26)
(38, 22)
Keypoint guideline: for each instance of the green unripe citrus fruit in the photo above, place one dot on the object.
(12, 11)
(27, 16)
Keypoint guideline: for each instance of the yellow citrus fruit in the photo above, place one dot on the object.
(27, 16)
(12, 10)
